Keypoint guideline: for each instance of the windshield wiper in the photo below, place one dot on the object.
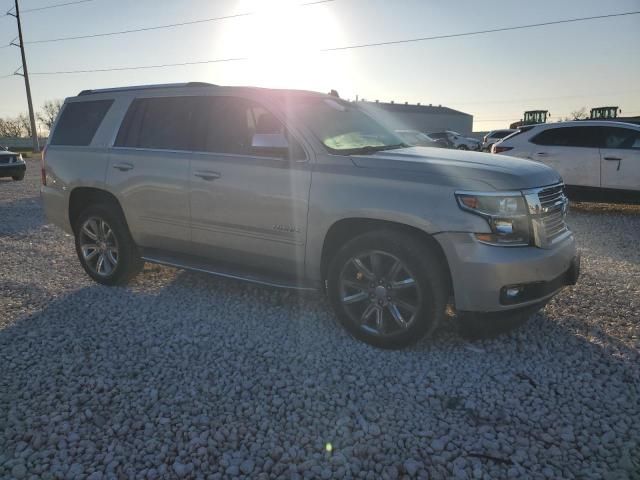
(372, 149)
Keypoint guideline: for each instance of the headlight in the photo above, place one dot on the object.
(506, 214)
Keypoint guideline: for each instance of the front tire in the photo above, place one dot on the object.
(104, 246)
(18, 178)
(463, 147)
(387, 288)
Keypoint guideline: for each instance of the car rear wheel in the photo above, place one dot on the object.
(387, 288)
(105, 247)
(17, 178)
(463, 147)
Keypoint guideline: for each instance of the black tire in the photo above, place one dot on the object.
(128, 262)
(428, 291)
(463, 147)
(18, 178)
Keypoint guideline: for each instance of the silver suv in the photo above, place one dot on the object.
(303, 190)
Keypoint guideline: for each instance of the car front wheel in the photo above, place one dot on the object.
(387, 288)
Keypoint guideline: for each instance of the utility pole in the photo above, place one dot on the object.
(25, 74)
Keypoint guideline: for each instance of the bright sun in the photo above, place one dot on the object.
(283, 42)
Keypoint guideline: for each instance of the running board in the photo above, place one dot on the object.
(206, 266)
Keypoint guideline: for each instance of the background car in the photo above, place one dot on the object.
(11, 164)
(598, 160)
(457, 140)
(494, 136)
(419, 139)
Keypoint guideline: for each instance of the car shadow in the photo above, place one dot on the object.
(218, 356)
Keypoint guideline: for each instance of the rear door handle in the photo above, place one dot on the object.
(207, 175)
(123, 167)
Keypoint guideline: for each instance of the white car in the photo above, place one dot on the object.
(598, 160)
(457, 140)
(495, 136)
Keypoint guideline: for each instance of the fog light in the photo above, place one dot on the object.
(513, 292)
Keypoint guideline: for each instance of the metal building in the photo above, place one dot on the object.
(424, 118)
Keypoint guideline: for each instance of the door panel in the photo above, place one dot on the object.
(621, 159)
(153, 188)
(576, 165)
(253, 210)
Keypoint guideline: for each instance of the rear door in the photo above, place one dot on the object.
(149, 170)
(572, 151)
(620, 157)
(247, 207)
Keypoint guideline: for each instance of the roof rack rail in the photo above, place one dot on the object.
(146, 87)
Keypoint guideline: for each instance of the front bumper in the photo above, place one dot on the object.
(481, 274)
(12, 169)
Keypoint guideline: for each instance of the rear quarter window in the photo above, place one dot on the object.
(79, 122)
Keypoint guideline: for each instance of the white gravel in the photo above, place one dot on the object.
(181, 375)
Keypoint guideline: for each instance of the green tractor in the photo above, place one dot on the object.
(604, 113)
(532, 117)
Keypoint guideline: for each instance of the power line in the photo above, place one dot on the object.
(139, 67)
(55, 6)
(143, 67)
(159, 27)
(478, 32)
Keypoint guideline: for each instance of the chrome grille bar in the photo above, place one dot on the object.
(548, 209)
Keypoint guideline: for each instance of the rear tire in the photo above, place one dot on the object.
(387, 288)
(104, 245)
(463, 147)
(17, 178)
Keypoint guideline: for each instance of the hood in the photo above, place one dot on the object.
(462, 168)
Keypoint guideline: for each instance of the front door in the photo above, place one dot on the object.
(247, 208)
(620, 157)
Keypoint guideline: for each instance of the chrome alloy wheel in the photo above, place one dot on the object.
(99, 246)
(379, 293)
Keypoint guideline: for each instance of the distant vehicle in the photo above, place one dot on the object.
(419, 139)
(604, 113)
(494, 136)
(532, 117)
(599, 160)
(302, 190)
(11, 164)
(457, 140)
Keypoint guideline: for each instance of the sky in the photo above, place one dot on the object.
(494, 77)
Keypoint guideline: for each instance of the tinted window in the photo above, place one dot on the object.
(162, 123)
(500, 134)
(79, 122)
(569, 137)
(626, 138)
(227, 125)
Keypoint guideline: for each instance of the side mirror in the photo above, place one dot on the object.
(271, 143)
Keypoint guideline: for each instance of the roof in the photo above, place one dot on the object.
(135, 88)
(415, 108)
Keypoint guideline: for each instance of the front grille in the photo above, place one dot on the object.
(553, 204)
(547, 210)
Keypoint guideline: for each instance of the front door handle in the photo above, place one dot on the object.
(207, 175)
(123, 167)
(614, 159)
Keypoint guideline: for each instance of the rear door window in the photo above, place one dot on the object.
(164, 123)
(79, 122)
(588, 137)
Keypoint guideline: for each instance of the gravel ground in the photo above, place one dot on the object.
(181, 375)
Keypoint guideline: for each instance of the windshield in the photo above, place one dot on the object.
(342, 127)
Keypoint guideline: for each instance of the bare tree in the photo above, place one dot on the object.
(579, 114)
(47, 115)
(25, 125)
(11, 127)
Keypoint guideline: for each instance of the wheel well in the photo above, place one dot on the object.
(343, 230)
(82, 197)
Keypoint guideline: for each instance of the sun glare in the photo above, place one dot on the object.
(283, 42)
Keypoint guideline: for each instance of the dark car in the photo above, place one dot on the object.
(11, 164)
